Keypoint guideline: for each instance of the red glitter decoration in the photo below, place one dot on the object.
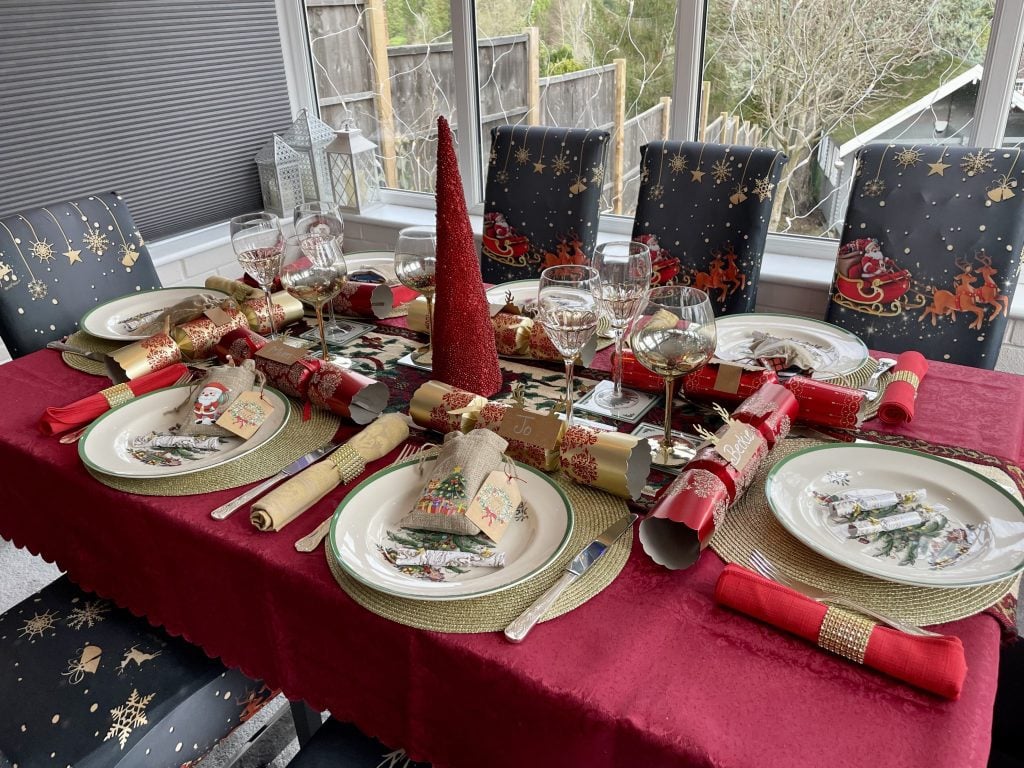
(464, 352)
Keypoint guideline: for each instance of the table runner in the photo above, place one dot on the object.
(650, 672)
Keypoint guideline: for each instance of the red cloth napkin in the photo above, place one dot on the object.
(935, 664)
(56, 421)
(897, 404)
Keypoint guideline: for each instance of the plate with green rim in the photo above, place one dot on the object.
(107, 446)
(364, 535)
(116, 319)
(841, 352)
(975, 538)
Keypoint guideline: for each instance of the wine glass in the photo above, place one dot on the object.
(415, 266)
(567, 309)
(314, 271)
(258, 244)
(624, 269)
(673, 335)
(323, 220)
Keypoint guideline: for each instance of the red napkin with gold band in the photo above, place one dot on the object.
(56, 421)
(897, 404)
(935, 664)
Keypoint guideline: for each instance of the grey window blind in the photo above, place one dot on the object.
(164, 102)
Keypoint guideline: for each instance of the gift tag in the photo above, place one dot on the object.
(281, 352)
(533, 427)
(218, 316)
(727, 379)
(738, 444)
(495, 504)
(246, 414)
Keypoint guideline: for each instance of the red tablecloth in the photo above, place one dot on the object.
(649, 673)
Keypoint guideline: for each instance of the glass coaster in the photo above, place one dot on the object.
(630, 408)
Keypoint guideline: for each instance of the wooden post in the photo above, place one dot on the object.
(705, 100)
(533, 75)
(619, 131)
(666, 117)
(377, 32)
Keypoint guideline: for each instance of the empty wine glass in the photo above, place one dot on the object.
(258, 244)
(415, 266)
(674, 335)
(324, 221)
(567, 309)
(624, 269)
(314, 271)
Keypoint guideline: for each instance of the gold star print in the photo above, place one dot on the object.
(721, 171)
(39, 624)
(37, 289)
(522, 155)
(677, 164)
(539, 167)
(976, 162)
(42, 250)
(763, 188)
(74, 257)
(909, 157)
(96, 241)
(937, 169)
(560, 164)
(697, 176)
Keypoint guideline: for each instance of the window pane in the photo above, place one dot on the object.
(580, 64)
(1014, 135)
(819, 80)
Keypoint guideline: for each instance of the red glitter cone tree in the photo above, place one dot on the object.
(464, 354)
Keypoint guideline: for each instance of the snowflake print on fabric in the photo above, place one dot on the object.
(677, 164)
(655, 191)
(720, 171)
(560, 164)
(597, 174)
(909, 157)
(39, 624)
(128, 716)
(96, 241)
(87, 616)
(42, 250)
(976, 162)
(763, 188)
(522, 155)
(874, 188)
(37, 290)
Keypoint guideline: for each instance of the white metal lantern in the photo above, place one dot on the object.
(355, 172)
(280, 169)
(309, 136)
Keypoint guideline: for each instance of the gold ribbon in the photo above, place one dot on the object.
(908, 376)
(119, 394)
(845, 633)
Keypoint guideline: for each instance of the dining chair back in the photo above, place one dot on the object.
(541, 204)
(88, 684)
(342, 744)
(930, 251)
(59, 261)
(704, 211)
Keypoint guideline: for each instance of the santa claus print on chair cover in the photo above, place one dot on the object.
(931, 250)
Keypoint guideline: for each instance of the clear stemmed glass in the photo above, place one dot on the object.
(624, 269)
(674, 335)
(258, 244)
(567, 309)
(415, 266)
(323, 220)
(314, 271)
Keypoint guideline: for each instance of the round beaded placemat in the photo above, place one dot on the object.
(750, 524)
(593, 511)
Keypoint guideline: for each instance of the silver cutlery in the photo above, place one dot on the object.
(870, 388)
(768, 569)
(311, 541)
(517, 631)
(225, 510)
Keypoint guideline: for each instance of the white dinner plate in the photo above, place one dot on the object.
(843, 351)
(523, 292)
(362, 522)
(107, 445)
(982, 542)
(105, 321)
(376, 261)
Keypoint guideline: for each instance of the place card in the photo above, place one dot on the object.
(218, 316)
(532, 427)
(282, 352)
(246, 414)
(738, 444)
(495, 504)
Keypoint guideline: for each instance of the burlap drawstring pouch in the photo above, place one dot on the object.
(212, 396)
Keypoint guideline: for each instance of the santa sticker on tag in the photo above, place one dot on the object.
(246, 414)
(495, 504)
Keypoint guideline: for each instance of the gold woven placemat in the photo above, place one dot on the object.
(296, 439)
(593, 511)
(857, 378)
(751, 525)
(89, 343)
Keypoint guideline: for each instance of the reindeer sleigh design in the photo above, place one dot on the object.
(966, 296)
(867, 281)
(723, 275)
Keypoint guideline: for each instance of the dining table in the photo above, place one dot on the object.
(649, 672)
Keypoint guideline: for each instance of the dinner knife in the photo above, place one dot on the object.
(517, 631)
(225, 510)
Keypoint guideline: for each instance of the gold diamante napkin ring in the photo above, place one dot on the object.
(348, 463)
(117, 395)
(908, 376)
(845, 633)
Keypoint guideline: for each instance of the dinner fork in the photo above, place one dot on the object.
(310, 542)
(768, 569)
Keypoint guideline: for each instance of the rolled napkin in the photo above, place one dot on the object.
(900, 395)
(828, 405)
(770, 410)
(787, 353)
(443, 408)
(611, 461)
(725, 382)
(685, 514)
(934, 664)
(293, 497)
(236, 289)
(145, 356)
(56, 421)
(287, 309)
